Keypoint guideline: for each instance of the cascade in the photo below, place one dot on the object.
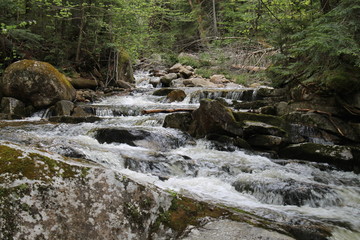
(171, 160)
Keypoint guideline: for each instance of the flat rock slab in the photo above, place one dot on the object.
(230, 230)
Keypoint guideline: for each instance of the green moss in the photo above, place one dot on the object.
(186, 211)
(269, 119)
(34, 166)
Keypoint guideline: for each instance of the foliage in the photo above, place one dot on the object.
(326, 53)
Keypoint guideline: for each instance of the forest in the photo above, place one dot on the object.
(314, 42)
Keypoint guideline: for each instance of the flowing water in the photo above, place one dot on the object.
(288, 191)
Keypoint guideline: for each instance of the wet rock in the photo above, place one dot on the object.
(289, 192)
(231, 230)
(214, 118)
(177, 95)
(265, 141)
(141, 138)
(120, 136)
(74, 120)
(167, 79)
(63, 108)
(325, 122)
(179, 121)
(36, 83)
(226, 143)
(334, 154)
(163, 91)
(254, 128)
(268, 119)
(250, 105)
(80, 112)
(14, 107)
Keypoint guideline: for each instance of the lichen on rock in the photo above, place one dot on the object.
(36, 83)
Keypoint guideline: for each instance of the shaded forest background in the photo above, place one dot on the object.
(314, 42)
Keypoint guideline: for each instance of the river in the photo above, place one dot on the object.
(281, 190)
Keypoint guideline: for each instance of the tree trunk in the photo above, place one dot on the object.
(80, 37)
(325, 6)
(214, 18)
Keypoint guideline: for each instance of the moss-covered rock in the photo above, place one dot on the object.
(36, 83)
(214, 118)
(177, 95)
(343, 156)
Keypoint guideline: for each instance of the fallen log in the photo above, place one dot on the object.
(166, 110)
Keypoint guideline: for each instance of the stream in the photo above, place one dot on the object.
(289, 191)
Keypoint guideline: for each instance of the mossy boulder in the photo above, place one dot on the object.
(36, 83)
(212, 117)
(177, 95)
(179, 121)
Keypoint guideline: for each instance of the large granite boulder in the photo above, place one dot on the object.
(36, 83)
(212, 117)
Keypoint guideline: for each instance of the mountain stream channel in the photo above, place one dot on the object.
(171, 160)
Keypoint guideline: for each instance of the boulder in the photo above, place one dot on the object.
(179, 121)
(199, 82)
(325, 122)
(167, 79)
(177, 95)
(36, 83)
(163, 91)
(80, 112)
(218, 79)
(255, 128)
(265, 141)
(15, 107)
(344, 156)
(74, 120)
(185, 72)
(214, 118)
(63, 108)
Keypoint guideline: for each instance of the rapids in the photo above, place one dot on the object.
(280, 190)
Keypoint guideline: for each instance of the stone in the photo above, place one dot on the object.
(214, 118)
(163, 91)
(36, 83)
(74, 120)
(254, 128)
(330, 124)
(268, 119)
(218, 79)
(63, 198)
(13, 107)
(63, 108)
(199, 82)
(179, 121)
(175, 68)
(343, 156)
(167, 79)
(265, 141)
(177, 95)
(80, 113)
